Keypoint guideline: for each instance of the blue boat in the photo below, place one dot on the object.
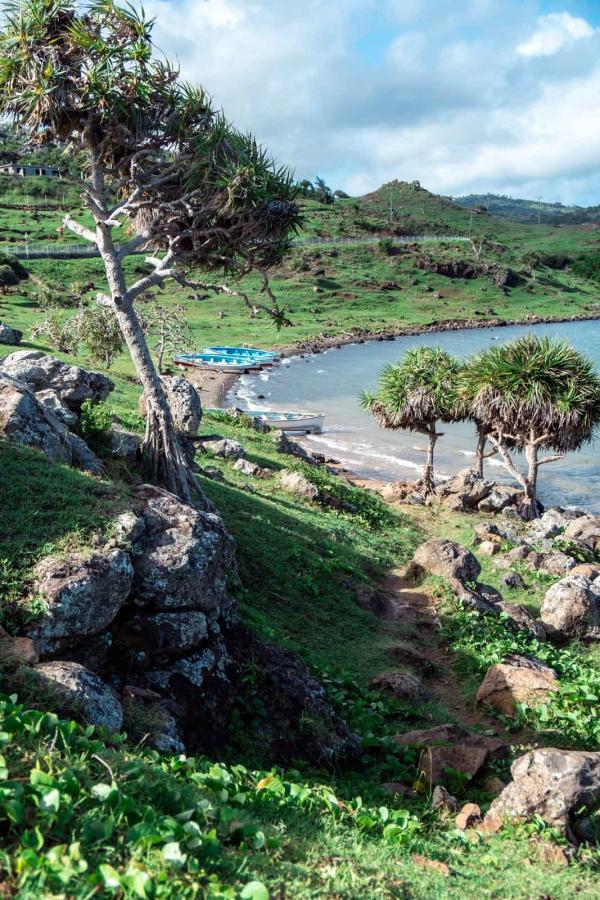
(219, 362)
(266, 355)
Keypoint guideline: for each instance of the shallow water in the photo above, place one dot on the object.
(331, 382)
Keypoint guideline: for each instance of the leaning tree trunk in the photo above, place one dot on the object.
(428, 474)
(530, 508)
(161, 448)
(480, 452)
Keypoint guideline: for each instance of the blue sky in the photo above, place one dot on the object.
(469, 96)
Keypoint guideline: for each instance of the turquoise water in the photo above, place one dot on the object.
(331, 382)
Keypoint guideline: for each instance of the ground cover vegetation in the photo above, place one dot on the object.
(85, 813)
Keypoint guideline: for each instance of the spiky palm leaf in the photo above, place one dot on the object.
(537, 386)
(420, 389)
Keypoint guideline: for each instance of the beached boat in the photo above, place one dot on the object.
(234, 365)
(306, 423)
(265, 355)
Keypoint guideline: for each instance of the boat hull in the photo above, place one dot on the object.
(297, 423)
(225, 368)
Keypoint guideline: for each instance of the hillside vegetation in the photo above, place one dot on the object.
(530, 211)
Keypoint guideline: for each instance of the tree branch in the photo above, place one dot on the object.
(80, 230)
(549, 459)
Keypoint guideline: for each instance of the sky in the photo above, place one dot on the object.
(467, 96)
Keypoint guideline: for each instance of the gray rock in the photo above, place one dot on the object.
(401, 685)
(283, 444)
(465, 491)
(246, 467)
(552, 523)
(571, 609)
(24, 420)
(500, 499)
(184, 556)
(297, 484)
(184, 402)
(83, 595)
(52, 401)
(73, 384)
(227, 449)
(447, 559)
(127, 528)
(83, 457)
(171, 633)
(443, 801)
(585, 530)
(124, 444)
(556, 563)
(518, 619)
(9, 335)
(519, 553)
(84, 691)
(512, 579)
(552, 784)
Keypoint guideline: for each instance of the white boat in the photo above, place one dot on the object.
(301, 423)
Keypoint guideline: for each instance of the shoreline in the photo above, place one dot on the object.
(215, 386)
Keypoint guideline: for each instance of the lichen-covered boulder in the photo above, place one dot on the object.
(447, 559)
(571, 609)
(51, 400)
(24, 420)
(83, 692)
(297, 484)
(227, 449)
(183, 557)
(82, 595)
(552, 784)
(184, 402)
(73, 384)
(169, 633)
(84, 458)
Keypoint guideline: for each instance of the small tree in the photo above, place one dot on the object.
(533, 394)
(170, 327)
(160, 165)
(415, 395)
(99, 330)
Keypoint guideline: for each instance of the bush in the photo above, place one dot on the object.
(7, 276)
(94, 424)
(588, 267)
(16, 265)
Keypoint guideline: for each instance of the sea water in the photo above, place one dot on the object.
(332, 382)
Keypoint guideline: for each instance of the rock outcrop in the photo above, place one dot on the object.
(446, 559)
(552, 784)
(184, 402)
(24, 420)
(297, 484)
(571, 609)
(585, 530)
(72, 384)
(465, 491)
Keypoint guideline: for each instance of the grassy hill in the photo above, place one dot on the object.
(530, 211)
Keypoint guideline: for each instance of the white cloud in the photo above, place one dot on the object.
(347, 90)
(553, 32)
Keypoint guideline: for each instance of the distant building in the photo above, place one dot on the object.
(23, 170)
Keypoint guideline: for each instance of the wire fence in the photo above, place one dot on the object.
(87, 251)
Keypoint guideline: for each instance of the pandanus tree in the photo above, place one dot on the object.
(534, 395)
(163, 171)
(415, 394)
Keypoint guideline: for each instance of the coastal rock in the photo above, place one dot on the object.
(23, 420)
(447, 559)
(451, 747)
(552, 784)
(9, 335)
(82, 691)
(590, 570)
(469, 816)
(552, 523)
(73, 384)
(183, 557)
(585, 530)
(184, 403)
(297, 484)
(83, 596)
(556, 563)
(465, 491)
(20, 650)
(512, 579)
(226, 449)
(505, 685)
(571, 609)
(500, 498)
(489, 548)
